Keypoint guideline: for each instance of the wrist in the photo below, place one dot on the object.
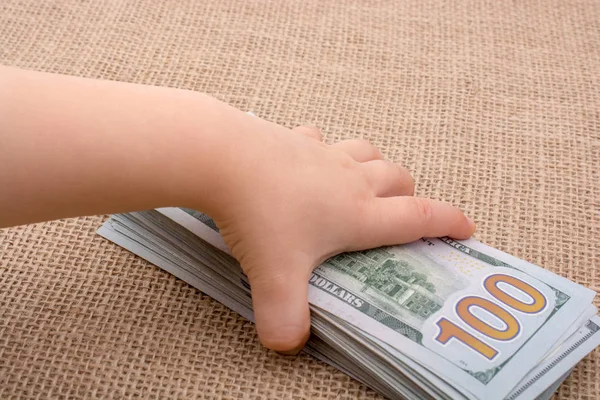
(213, 149)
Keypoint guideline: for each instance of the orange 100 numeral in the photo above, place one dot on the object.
(449, 330)
(538, 301)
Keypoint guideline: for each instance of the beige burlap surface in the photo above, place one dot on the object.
(493, 105)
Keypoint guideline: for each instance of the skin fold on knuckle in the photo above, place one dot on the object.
(368, 180)
(346, 162)
(423, 210)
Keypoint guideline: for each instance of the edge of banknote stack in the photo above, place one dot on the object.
(434, 319)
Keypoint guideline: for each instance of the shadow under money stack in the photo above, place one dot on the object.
(433, 319)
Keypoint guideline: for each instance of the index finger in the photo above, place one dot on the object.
(397, 220)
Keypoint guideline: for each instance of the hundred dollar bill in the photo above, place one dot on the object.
(176, 249)
(476, 316)
(130, 232)
(552, 368)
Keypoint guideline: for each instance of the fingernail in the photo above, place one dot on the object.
(471, 222)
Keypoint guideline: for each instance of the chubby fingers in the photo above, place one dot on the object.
(397, 220)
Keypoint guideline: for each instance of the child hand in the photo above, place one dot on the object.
(294, 201)
(284, 200)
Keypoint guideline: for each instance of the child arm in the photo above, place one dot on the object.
(284, 201)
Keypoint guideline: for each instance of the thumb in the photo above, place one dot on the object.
(280, 301)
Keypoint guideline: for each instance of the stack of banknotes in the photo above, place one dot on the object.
(433, 319)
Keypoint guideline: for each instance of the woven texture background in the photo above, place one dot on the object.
(493, 105)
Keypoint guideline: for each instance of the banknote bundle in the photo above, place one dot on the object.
(433, 319)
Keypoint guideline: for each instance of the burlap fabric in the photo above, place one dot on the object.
(494, 106)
